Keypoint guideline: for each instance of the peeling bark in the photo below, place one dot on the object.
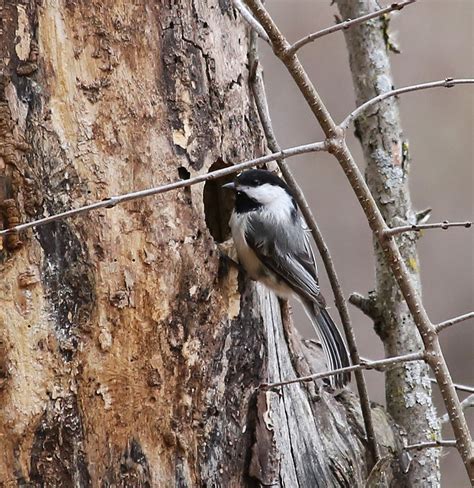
(408, 389)
(130, 352)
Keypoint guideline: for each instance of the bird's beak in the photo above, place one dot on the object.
(230, 186)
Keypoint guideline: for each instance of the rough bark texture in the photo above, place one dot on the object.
(130, 353)
(408, 389)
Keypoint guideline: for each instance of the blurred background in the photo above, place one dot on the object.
(437, 41)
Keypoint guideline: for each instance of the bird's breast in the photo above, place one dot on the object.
(249, 260)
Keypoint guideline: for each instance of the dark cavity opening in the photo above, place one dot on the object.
(183, 173)
(218, 204)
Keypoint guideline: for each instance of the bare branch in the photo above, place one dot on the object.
(447, 83)
(114, 200)
(468, 402)
(280, 48)
(417, 228)
(338, 147)
(378, 365)
(457, 386)
(430, 444)
(258, 88)
(346, 24)
(448, 323)
(250, 19)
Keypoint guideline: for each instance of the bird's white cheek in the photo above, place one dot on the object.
(276, 201)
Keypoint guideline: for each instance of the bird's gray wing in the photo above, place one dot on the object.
(286, 252)
(308, 256)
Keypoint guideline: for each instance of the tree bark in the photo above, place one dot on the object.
(130, 350)
(408, 389)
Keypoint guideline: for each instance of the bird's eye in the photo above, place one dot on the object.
(255, 182)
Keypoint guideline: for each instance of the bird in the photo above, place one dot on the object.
(273, 246)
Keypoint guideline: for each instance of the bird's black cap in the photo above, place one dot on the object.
(254, 178)
(257, 177)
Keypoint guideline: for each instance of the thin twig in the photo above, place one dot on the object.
(280, 48)
(258, 88)
(382, 368)
(468, 402)
(251, 20)
(114, 200)
(434, 381)
(417, 228)
(457, 386)
(448, 323)
(376, 365)
(430, 444)
(346, 24)
(446, 83)
(338, 147)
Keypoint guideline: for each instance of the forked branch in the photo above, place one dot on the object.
(379, 365)
(258, 89)
(456, 320)
(338, 147)
(430, 445)
(346, 24)
(446, 83)
(417, 228)
(250, 19)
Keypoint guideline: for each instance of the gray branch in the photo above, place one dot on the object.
(379, 365)
(387, 246)
(346, 24)
(258, 88)
(250, 19)
(456, 320)
(457, 386)
(213, 175)
(431, 444)
(419, 227)
(446, 83)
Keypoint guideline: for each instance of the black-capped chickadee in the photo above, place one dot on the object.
(273, 246)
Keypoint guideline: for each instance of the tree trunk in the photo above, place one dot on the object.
(408, 389)
(130, 352)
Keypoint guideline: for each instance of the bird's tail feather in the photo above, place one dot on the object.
(332, 342)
